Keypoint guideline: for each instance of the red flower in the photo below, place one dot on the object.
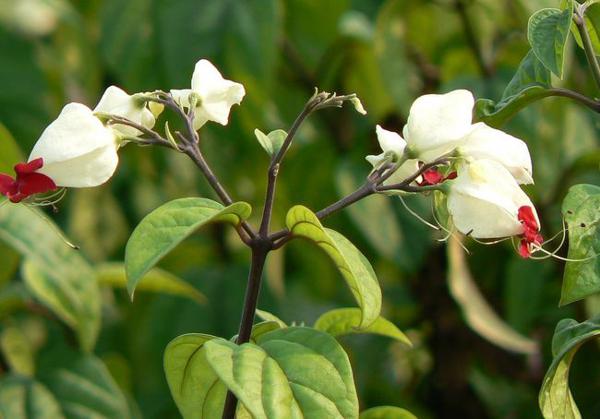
(433, 177)
(531, 231)
(28, 182)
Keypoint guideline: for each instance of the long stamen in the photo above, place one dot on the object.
(449, 233)
(417, 216)
(555, 256)
(56, 230)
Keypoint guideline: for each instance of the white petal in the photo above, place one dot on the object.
(390, 141)
(436, 123)
(87, 170)
(484, 200)
(116, 101)
(484, 142)
(408, 168)
(182, 96)
(75, 133)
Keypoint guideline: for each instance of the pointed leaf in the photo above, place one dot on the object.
(167, 226)
(354, 267)
(548, 31)
(272, 141)
(556, 400)
(155, 280)
(387, 412)
(55, 274)
(344, 321)
(23, 398)
(582, 275)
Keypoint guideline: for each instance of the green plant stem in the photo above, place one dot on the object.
(579, 19)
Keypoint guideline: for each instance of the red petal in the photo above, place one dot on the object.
(7, 185)
(451, 175)
(27, 168)
(524, 251)
(33, 183)
(431, 177)
(526, 216)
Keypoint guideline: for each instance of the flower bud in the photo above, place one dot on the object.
(116, 101)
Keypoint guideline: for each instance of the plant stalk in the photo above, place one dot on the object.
(579, 19)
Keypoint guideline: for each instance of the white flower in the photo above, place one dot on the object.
(484, 200)
(215, 95)
(116, 101)
(438, 123)
(393, 147)
(77, 149)
(484, 142)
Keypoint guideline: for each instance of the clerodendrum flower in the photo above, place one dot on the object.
(116, 101)
(486, 202)
(212, 95)
(76, 150)
(393, 146)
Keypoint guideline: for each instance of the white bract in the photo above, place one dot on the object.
(116, 101)
(484, 200)
(77, 149)
(393, 147)
(484, 142)
(212, 95)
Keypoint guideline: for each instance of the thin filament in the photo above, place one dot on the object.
(56, 230)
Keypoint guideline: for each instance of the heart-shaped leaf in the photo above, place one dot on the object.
(548, 31)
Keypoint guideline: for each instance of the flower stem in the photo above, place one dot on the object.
(579, 19)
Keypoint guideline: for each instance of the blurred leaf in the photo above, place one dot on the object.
(13, 297)
(354, 267)
(194, 385)
(344, 321)
(23, 398)
(582, 274)
(170, 224)
(83, 387)
(55, 273)
(397, 71)
(17, 351)
(479, 315)
(156, 280)
(272, 141)
(531, 82)
(290, 373)
(387, 412)
(10, 153)
(266, 316)
(556, 400)
(548, 31)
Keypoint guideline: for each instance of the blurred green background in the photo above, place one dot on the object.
(388, 52)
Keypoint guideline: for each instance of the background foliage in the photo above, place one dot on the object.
(481, 325)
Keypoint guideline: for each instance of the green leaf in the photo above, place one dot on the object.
(531, 82)
(83, 387)
(582, 274)
(548, 32)
(556, 400)
(23, 398)
(155, 280)
(344, 321)
(18, 351)
(10, 153)
(55, 274)
(387, 412)
(272, 141)
(592, 23)
(266, 316)
(196, 389)
(167, 226)
(479, 315)
(12, 298)
(291, 373)
(351, 263)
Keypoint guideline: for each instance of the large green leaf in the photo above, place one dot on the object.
(23, 398)
(155, 280)
(556, 400)
(387, 412)
(531, 82)
(479, 315)
(83, 387)
(548, 31)
(582, 274)
(56, 274)
(195, 387)
(344, 321)
(291, 373)
(167, 226)
(351, 263)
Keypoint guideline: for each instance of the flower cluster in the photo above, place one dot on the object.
(484, 168)
(79, 148)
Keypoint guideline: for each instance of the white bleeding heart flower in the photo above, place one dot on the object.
(437, 124)
(486, 202)
(484, 142)
(213, 95)
(116, 101)
(393, 147)
(77, 150)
